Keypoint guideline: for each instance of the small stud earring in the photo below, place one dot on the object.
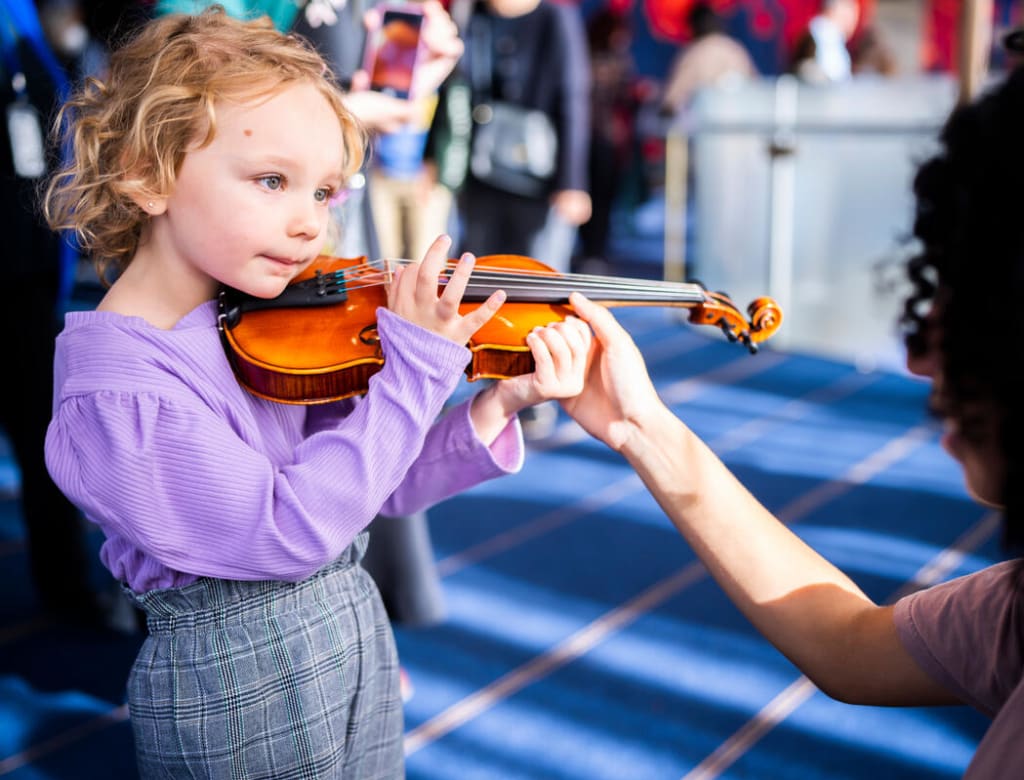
(150, 204)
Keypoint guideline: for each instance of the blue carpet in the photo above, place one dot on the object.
(583, 639)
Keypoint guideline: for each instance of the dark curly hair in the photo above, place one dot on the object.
(970, 225)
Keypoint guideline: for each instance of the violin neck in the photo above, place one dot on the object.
(544, 287)
(616, 292)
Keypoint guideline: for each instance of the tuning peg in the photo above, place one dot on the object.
(728, 330)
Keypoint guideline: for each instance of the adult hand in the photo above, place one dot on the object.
(442, 46)
(377, 112)
(617, 393)
(573, 206)
(413, 295)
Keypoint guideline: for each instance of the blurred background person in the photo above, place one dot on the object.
(821, 56)
(400, 556)
(529, 55)
(870, 52)
(615, 97)
(526, 190)
(410, 205)
(38, 272)
(711, 58)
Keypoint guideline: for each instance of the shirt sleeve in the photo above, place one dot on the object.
(192, 487)
(454, 459)
(965, 634)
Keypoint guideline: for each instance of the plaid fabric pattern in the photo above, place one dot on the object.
(269, 680)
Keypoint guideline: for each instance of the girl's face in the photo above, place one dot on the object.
(250, 210)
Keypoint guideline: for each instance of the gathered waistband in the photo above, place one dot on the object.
(210, 602)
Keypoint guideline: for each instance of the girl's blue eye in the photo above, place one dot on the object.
(323, 194)
(272, 181)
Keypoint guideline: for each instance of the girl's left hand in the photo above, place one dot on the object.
(560, 352)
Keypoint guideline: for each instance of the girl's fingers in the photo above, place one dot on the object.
(577, 334)
(392, 287)
(404, 284)
(544, 365)
(476, 319)
(554, 338)
(433, 264)
(457, 282)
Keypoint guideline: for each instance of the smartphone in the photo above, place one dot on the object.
(393, 49)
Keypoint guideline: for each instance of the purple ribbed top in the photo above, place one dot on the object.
(189, 475)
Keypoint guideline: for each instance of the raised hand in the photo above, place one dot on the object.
(413, 294)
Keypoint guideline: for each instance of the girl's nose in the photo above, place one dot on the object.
(307, 218)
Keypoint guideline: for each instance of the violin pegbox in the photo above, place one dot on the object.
(718, 309)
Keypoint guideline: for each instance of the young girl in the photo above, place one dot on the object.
(206, 159)
(961, 641)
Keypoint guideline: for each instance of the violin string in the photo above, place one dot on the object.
(484, 271)
(647, 292)
(536, 282)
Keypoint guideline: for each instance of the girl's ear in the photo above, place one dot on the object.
(151, 204)
(140, 190)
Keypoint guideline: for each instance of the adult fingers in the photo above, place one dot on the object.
(606, 328)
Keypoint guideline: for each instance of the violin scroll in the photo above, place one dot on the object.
(719, 310)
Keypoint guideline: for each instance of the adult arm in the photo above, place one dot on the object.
(812, 612)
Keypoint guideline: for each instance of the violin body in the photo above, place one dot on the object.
(318, 341)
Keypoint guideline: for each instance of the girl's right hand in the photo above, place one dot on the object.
(413, 295)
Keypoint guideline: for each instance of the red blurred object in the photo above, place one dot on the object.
(785, 19)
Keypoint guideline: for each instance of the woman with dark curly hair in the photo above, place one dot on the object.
(959, 642)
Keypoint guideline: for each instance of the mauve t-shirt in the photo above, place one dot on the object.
(968, 634)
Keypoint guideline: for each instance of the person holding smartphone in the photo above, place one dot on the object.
(531, 55)
(410, 206)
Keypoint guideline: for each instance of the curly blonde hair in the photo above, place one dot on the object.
(129, 134)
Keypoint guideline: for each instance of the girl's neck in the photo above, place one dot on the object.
(159, 295)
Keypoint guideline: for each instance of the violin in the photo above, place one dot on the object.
(317, 341)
